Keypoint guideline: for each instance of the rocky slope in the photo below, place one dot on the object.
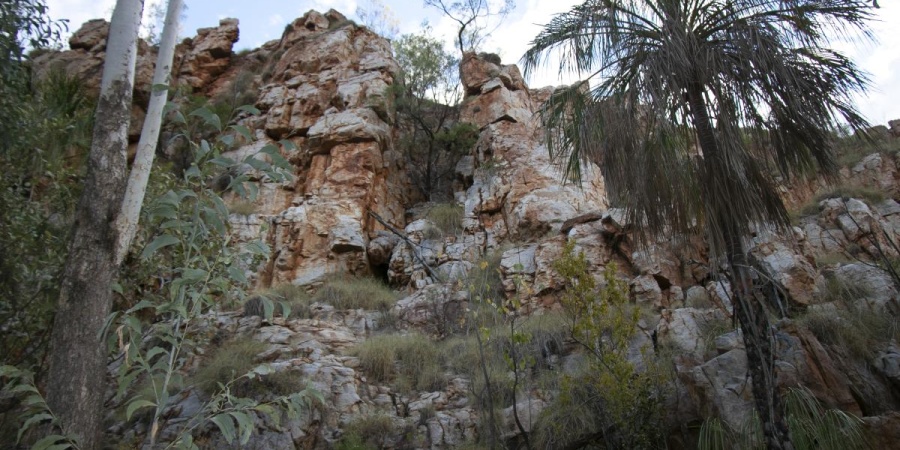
(324, 88)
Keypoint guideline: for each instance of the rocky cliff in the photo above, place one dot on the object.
(324, 87)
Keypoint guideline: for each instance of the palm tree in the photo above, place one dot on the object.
(696, 106)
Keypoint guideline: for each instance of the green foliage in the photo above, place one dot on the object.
(346, 292)
(811, 426)
(186, 241)
(408, 362)
(609, 400)
(366, 432)
(226, 363)
(484, 280)
(425, 96)
(851, 324)
(20, 383)
(425, 68)
(459, 138)
(38, 191)
(242, 90)
(850, 148)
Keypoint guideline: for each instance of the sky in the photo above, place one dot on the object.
(264, 20)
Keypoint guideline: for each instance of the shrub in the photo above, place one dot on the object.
(831, 258)
(409, 363)
(710, 329)
(609, 400)
(226, 363)
(484, 280)
(345, 292)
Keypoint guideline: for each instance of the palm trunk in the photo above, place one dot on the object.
(751, 314)
(77, 377)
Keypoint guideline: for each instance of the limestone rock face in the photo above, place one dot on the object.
(515, 188)
(91, 36)
(199, 61)
(207, 55)
(328, 95)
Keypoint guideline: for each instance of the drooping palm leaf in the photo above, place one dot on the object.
(774, 94)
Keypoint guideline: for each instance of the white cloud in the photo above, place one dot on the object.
(346, 7)
(276, 19)
(80, 11)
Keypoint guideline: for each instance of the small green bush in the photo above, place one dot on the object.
(459, 138)
(345, 292)
(832, 258)
(848, 191)
(296, 297)
(409, 363)
(235, 359)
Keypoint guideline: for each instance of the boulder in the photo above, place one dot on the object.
(91, 36)
(207, 55)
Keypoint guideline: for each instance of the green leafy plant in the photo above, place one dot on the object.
(187, 232)
(610, 400)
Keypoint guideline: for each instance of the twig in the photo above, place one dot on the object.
(411, 244)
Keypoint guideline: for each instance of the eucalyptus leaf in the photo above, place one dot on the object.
(136, 405)
(226, 426)
(249, 109)
(160, 242)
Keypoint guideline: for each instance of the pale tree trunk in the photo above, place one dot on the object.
(76, 383)
(127, 222)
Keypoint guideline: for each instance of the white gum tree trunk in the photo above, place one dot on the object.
(127, 222)
(77, 373)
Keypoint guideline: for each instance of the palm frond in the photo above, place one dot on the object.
(771, 90)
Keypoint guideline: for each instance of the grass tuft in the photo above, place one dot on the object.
(409, 363)
(294, 298)
(344, 292)
(243, 208)
(852, 324)
(446, 217)
(224, 364)
(366, 432)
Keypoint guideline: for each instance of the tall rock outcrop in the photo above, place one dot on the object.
(329, 96)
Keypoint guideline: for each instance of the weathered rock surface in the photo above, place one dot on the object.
(325, 104)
